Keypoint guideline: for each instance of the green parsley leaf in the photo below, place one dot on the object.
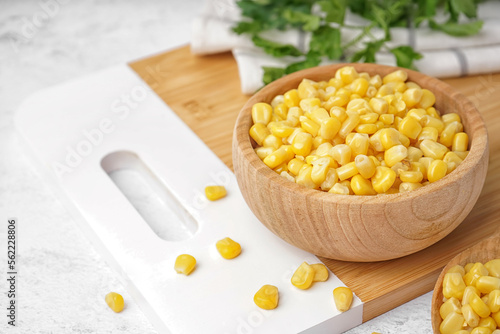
(308, 22)
(467, 7)
(334, 9)
(325, 41)
(405, 55)
(272, 73)
(368, 54)
(276, 49)
(458, 29)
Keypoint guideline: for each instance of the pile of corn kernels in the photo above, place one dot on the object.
(472, 299)
(358, 134)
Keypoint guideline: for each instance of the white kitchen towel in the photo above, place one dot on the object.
(444, 55)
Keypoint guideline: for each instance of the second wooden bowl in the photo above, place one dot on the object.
(361, 228)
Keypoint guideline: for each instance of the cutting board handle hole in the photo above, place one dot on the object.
(149, 196)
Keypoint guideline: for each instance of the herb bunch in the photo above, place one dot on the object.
(325, 20)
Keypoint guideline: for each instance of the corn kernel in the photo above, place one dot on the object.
(428, 132)
(341, 153)
(302, 143)
(417, 113)
(387, 119)
(281, 109)
(366, 128)
(452, 323)
(259, 132)
(409, 186)
(349, 124)
(347, 74)
(395, 76)
(432, 149)
(304, 177)
(389, 137)
(295, 165)
(309, 125)
(339, 189)
(330, 180)
(329, 128)
(468, 292)
(320, 170)
(291, 98)
(427, 100)
(347, 171)
(272, 141)
(339, 100)
(360, 86)
(307, 89)
(470, 315)
(342, 297)
(453, 285)
(437, 170)
(115, 301)
(432, 122)
(493, 267)
(362, 186)
(379, 105)
(228, 248)
(359, 144)
(303, 277)
(320, 272)
(460, 142)
(494, 301)
(293, 116)
(184, 264)
(412, 96)
(395, 154)
(214, 193)
(263, 152)
(261, 113)
(449, 132)
(410, 127)
(267, 297)
(383, 179)
(489, 323)
(308, 105)
(486, 284)
(365, 166)
(451, 117)
(281, 155)
(449, 306)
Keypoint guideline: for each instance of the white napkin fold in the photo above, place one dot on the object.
(444, 55)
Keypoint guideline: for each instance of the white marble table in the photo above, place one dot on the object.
(62, 279)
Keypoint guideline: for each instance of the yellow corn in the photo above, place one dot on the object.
(437, 170)
(379, 105)
(295, 165)
(453, 285)
(486, 284)
(214, 193)
(449, 132)
(267, 297)
(494, 301)
(365, 166)
(287, 176)
(411, 176)
(451, 117)
(409, 186)
(320, 170)
(470, 315)
(376, 81)
(293, 116)
(469, 290)
(318, 140)
(432, 122)
(396, 76)
(272, 141)
(496, 317)
(347, 74)
(366, 128)
(329, 128)
(432, 149)
(369, 118)
(414, 154)
(428, 132)
(184, 264)
(259, 132)
(476, 270)
(281, 155)
(452, 323)
(115, 301)
(342, 297)
(303, 277)
(228, 248)
(307, 89)
(261, 113)
(309, 125)
(359, 144)
(412, 96)
(493, 267)
(488, 323)
(320, 272)
(450, 305)
(346, 171)
(263, 152)
(389, 137)
(281, 129)
(460, 142)
(281, 109)
(302, 144)
(383, 179)
(339, 189)
(417, 113)
(387, 119)
(431, 111)
(360, 86)
(427, 100)
(349, 124)
(410, 127)
(291, 98)
(361, 106)
(462, 155)
(304, 177)
(341, 153)
(395, 154)
(362, 186)
(338, 100)
(330, 180)
(479, 306)
(309, 104)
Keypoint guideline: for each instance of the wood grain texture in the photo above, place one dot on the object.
(361, 228)
(205, 93)
(484, 251)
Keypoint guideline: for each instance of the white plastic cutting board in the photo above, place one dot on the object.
(111, 127)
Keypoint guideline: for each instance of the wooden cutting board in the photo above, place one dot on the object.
(205, 92)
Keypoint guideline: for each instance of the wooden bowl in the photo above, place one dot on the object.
(361, 228)
(484, 251)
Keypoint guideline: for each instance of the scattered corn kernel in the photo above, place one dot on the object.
(334, 135)
(115, 301)
(320, 272)
(342, 297)
(228, 248)
(214, 193)
(267, 297)
(184, 264)
(303, 277)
